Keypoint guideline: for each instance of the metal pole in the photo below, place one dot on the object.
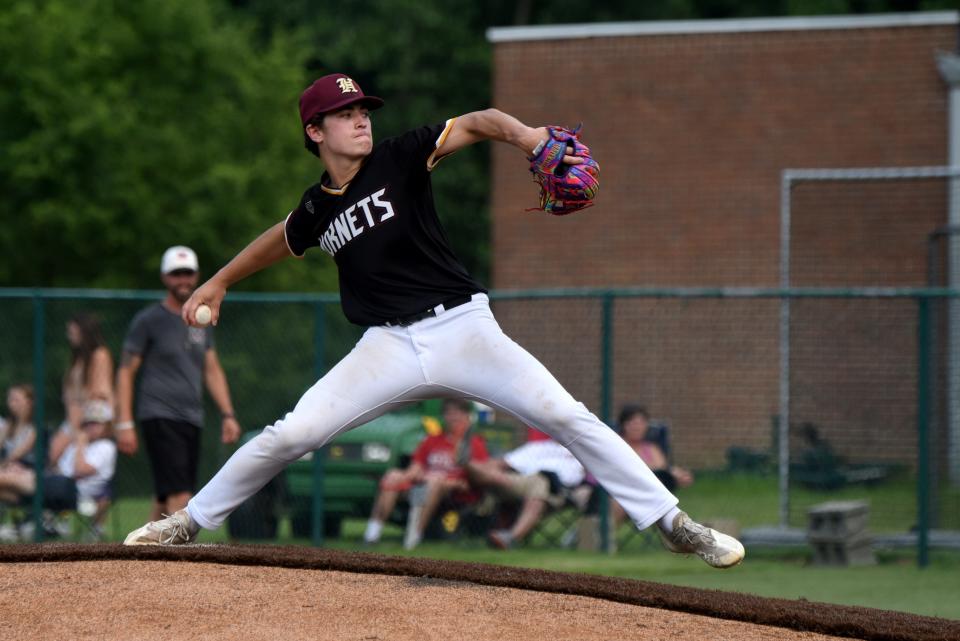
(39, 420)
(783, 425)
(937, 423)
(923, 442)
(606, 392)
(949, 66)
(318, 455)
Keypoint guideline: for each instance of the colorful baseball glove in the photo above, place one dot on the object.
(564, 189)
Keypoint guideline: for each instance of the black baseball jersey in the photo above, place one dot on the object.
(383, 232)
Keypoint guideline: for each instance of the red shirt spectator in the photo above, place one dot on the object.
(437, 454)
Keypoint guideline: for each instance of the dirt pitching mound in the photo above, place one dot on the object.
(272, 592)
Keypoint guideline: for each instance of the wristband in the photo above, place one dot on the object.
(226, 415)
(124, 425)
(538, 148)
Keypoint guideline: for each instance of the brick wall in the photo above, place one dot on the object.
(692, 132)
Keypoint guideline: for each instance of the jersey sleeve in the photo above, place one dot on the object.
(138, 336)
(417, 147)
(300, 226)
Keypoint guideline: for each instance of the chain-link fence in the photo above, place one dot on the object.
(871, 227)
(863, 380)
(271, 347)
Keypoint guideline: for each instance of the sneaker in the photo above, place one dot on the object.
(9, 533)
(59, 526)
(26, 530)
(176, 529)
(501, 539)
(689, 537)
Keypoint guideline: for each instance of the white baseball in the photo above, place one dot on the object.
(203, 315)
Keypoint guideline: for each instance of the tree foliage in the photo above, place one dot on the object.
(135, 126)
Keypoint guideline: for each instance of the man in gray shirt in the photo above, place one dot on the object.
(174, 362)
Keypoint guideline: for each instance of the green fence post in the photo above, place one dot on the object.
(923, 449)
(39, 420)
(319, 369)
(606, 390)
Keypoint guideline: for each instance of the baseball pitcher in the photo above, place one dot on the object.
(430, 331)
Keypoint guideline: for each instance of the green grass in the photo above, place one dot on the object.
(895, 583)
(754, 500)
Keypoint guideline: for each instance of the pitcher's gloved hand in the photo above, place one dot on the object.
(564, 188)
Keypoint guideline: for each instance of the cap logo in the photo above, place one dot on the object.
(347, 85)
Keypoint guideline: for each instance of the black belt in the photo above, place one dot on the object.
(450, 303)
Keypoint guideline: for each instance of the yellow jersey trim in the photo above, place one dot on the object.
(433, 159)
(335, 192)
(286, 240)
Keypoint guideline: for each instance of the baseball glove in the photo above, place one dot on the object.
(564, 189)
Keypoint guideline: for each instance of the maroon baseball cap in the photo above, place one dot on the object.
(332, 92)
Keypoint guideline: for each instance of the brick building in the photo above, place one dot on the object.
(693, 124)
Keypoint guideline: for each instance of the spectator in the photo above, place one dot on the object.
(89, 374)
(174, 362)
(434, 468)
(634, 426)
(540, 475)
(82, 462)
(18, 435)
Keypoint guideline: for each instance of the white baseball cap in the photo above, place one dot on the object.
(179, 257)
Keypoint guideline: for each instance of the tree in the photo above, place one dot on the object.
(135, 126)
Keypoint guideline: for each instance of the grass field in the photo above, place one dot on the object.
(753, 501)
(895, 583)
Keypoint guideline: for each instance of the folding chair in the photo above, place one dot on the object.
(562, 526)
(452, 520)
(65, 513)
(91, 515)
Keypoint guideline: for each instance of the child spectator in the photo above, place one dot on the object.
(17, 435)
(434, 467)
(82, 462)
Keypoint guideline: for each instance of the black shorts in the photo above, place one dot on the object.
(174, 451)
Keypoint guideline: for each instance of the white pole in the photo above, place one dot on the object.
(949, 65)
(783, 426)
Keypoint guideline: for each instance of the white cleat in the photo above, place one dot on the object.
(689, 537)
(176, 529)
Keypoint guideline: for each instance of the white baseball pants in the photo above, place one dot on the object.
(461, 352)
